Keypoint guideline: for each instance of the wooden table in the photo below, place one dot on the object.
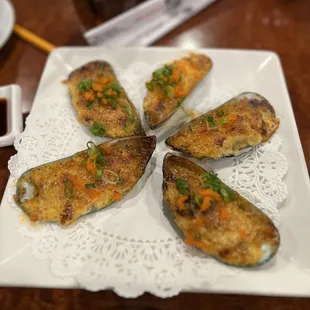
(279, 25)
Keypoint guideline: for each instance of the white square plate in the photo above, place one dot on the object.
(257, 71)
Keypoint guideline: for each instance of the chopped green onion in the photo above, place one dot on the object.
(220, 113)
(98, 129)
(100, 160)
(120, 180)
(84, 85)
(227, 194)
(198, 200)
(197, 236)
(90, 185)
(180, 101)
(89, 105)
(210, 120)
(115, 87)
(211, 181)
(83, 161)
(69, 189)
(150, 86)
(99, 173)
(167, 70)
(107, 96)
(113, 103)
(222, 120)
(182, 186)
(92, 148)
(129, 112)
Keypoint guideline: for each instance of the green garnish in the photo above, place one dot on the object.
(129, 112)
(150, 86)
(227, 194)
(99, 173)
(90, 185)
(180, 101)
(182, 186)
(197, 236)
(220, 113)
(113, 103)
(222, 120)
(89, 105)
(161, 77)
(164, 71)
(198, 199)
(100, 160)
(115, 87)
(92, 148)
(98, 129)
(210, 120)
(69, 189)
(84, 85)
(211, 181)
(167, 70)
(120, 180)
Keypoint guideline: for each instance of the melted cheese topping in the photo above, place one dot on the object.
(66, 189)
(185, 74)
(233, 231)
(245, 121)
(101, 105)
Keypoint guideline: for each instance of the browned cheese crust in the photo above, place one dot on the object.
(214, 218)
(244, 121)
(64, 190)
(102, 103)
(171, 84)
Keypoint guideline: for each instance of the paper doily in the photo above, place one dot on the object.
(131, 246)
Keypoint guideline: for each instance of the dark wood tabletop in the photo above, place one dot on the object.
(279, 25)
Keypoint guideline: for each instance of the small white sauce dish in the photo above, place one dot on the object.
(14, 117)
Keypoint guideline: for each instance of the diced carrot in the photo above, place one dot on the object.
(110, 92)
(181, 201)
(79, 186)
(89, 96)
(201, 129)
(175, 75)
(179, 91)
(183, 66)
(199, 220)
(232, 117)
(117, 196)
(104, 101)
(224, 214)
(110, 186)
(243, 234)
(99, 95)
(87, 73)
(97, 87)
(206, 203)
(33, 218)
(210, 193)
(197, 75)
(190, 240)
(91, 165)
(103, 80)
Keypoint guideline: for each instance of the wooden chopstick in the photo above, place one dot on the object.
(33, 39)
